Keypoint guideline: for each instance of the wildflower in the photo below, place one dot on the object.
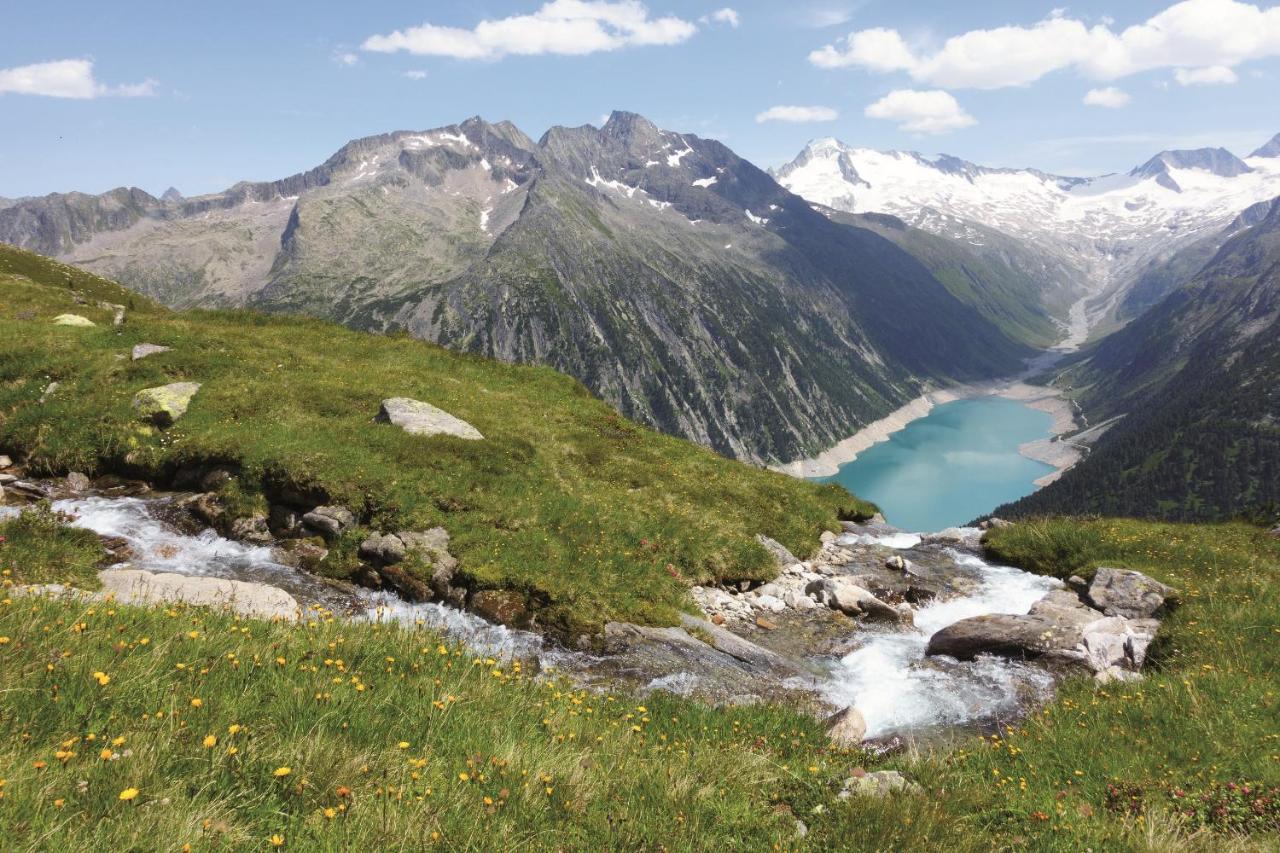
(210, 741)
(404, 744)
(193, 634)
(118, 741)
(330, 813)
(102, 678)
(277, 840)
(196, 703)
(59, 803)
(128, 794)
(234, 728)
(39, 765)
(4, 641)
(344, 791)
(464, 777)
(281, 772)
(106, 754)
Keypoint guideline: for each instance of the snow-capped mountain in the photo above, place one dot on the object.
(1109, 228)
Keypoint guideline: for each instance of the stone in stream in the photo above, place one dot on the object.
(850, 599)
(1121, 592)
(252, 529)
(846, 727)
(5, 461)
(502, 606)
(419, 418)
(164, 404)
(135, 586)
(144, 350)
(78, 483)
(73, 320)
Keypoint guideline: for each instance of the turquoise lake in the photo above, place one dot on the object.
(951, 466)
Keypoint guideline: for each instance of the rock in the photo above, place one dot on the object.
(717, 619)
(770, 603)
(206, 507)
(329, 520)
(306, 554)
(432, 547)
(877, 518)
(998, 523)
(253, 530)
(5, 461)
(850, 599)
(846, 728)
(879, 784)
(1078, 583)
(117, 312)
(166, 403)
(134, 586)
(283, 521)
(766, 624)
(144, 350)
(781, 555)
(1275, 531)
(897, 562)
(72, 320)
(49, 391)
(383, 548)
(216, 478)
(1121, 592)
(723, 640)
(419, 418)
(503, 606)
(1004, 635)
(78, 483)
(406, 585)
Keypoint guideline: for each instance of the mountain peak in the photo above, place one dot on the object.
(172, 194)
(1219, 161)
(1271, 149)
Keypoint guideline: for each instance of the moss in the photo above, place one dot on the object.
(38, 547)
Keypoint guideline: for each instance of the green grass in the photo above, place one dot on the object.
(591, 516)
(37, 547)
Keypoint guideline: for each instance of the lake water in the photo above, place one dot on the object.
(957, 463)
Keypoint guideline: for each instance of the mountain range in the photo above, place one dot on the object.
(675, 279)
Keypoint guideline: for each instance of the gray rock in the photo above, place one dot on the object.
(144, 350)
(1121, 592)
(49, 391)
(880, 784)
(6, 479)
(897, 562)
(217, 478)
(5, 461)
(284, 521)
(72, 320)
(1005, 635)
(78, 483)
(383, 548)
(419, 418)
(847, 727)
(206, 507)
(781, 555)
(163, 405)
(252, 529)
(329, 520)
(731, 644)
(1275, 531)
(850, 599)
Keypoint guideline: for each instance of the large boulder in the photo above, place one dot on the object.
(879, 784)
(252, 529)
(1005, 635)
(1133, 595)
(783, 557)
(852, 600)
(847, 727)
(166, 403)
(135, 586)
(72, 320)
(419, 418)
(383, 548)
(502, 606)
(78, 483)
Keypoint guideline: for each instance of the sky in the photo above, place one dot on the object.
(154, 94)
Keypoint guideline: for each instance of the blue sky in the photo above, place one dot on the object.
(153, 94)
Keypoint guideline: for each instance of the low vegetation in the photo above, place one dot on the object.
(37, 547)
(126, 728)
(591, 516)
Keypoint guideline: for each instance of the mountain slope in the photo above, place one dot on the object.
(1104, 233)
(1197, 381)
(675, 279)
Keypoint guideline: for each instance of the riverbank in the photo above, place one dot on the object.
(1051, 450)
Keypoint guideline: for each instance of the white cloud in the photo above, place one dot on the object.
(722, 16)
(565, 27)
(416, 74)
(345, 58)
(797, 114)
(1213, 75)
(921, 112)
(67, 78)
(819, 17)
(1110, 97)
(1196, 34)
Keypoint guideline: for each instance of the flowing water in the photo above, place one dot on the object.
(888, 677)
(955, 464)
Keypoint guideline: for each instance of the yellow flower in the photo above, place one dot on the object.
(119, 741)
(193, 634)
(4, 641)
(102, 678)
(59, 803)
(277, 840)
(465, 777)
(281, 772)
(106, 754)
(196, 703)
(330, 813)
(404, 744)
(128, 794)
(234, 728)
(210, 741)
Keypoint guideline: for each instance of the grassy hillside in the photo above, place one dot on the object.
(590, 516)
(125, 728)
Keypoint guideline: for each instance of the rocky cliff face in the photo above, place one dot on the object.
(675, 279)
